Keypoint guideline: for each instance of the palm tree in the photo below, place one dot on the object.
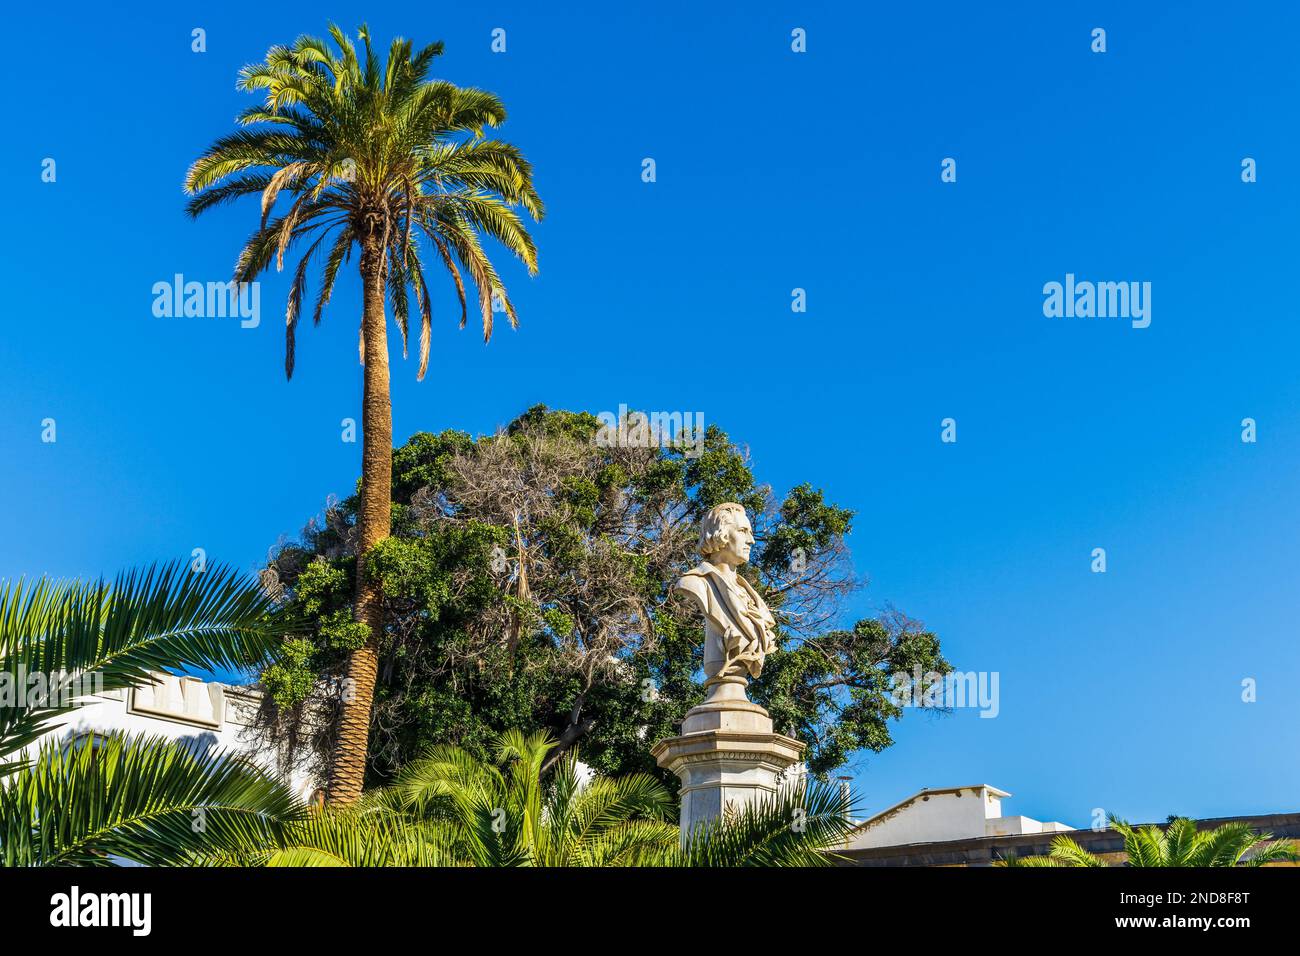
(146, 800)
(507, 814)
(1178, 844)
(450, 809)
(383, 158)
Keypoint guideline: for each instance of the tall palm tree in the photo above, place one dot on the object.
(146, 800)
(1178, 844)
(450, 809)
(374, 155)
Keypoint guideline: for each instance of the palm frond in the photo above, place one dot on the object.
(1280, 851)
(796, 827)
(345, 837)
(1028, 861)
(162, 618)
(359, 136)
(146, 800)
(1067, 852)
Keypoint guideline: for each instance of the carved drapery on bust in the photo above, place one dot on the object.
(739, 629)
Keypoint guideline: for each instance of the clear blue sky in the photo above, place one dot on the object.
(775, 170)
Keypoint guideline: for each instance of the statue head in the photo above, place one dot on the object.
(725, 535)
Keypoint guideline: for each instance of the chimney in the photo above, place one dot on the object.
(846, 793)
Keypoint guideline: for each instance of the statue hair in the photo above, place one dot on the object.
(715, 529)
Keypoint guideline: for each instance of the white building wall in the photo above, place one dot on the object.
(952, 813)
(208, 714)
(927, 818)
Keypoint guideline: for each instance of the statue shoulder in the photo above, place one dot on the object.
(693, 582)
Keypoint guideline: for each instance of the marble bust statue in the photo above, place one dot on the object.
(727, 756)
(739, 630)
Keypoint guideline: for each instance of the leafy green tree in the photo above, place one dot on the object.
(528, 583)
(1178, 844)
(376, 156)
(106, 798)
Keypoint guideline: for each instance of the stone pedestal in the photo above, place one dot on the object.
(727, 755)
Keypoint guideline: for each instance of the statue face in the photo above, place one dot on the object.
(740, 539)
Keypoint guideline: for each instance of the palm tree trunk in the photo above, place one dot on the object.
(348, 767)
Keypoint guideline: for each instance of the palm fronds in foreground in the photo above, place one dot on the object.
(109, 798)
(1178, 844)
(162, 618)
(146, 800)
(451, 809)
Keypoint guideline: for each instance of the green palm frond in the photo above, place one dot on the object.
(162, 618)
(445, 772)
(362, 144)
(1224, 845)
(347, 837)
(1180, 841)
(1067, 852)
(147, 800)
(634, 843)
(1280, 851)
(583, 820)
(1028, 861)
(1178, 844)
(449, 785)
(507, 812)
(796, 827)
(448, 808)
(1145, 846)
(1063, 852)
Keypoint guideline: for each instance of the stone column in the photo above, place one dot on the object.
(727, 756)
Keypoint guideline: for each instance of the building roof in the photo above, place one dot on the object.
(926, 792)
(987, 850)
